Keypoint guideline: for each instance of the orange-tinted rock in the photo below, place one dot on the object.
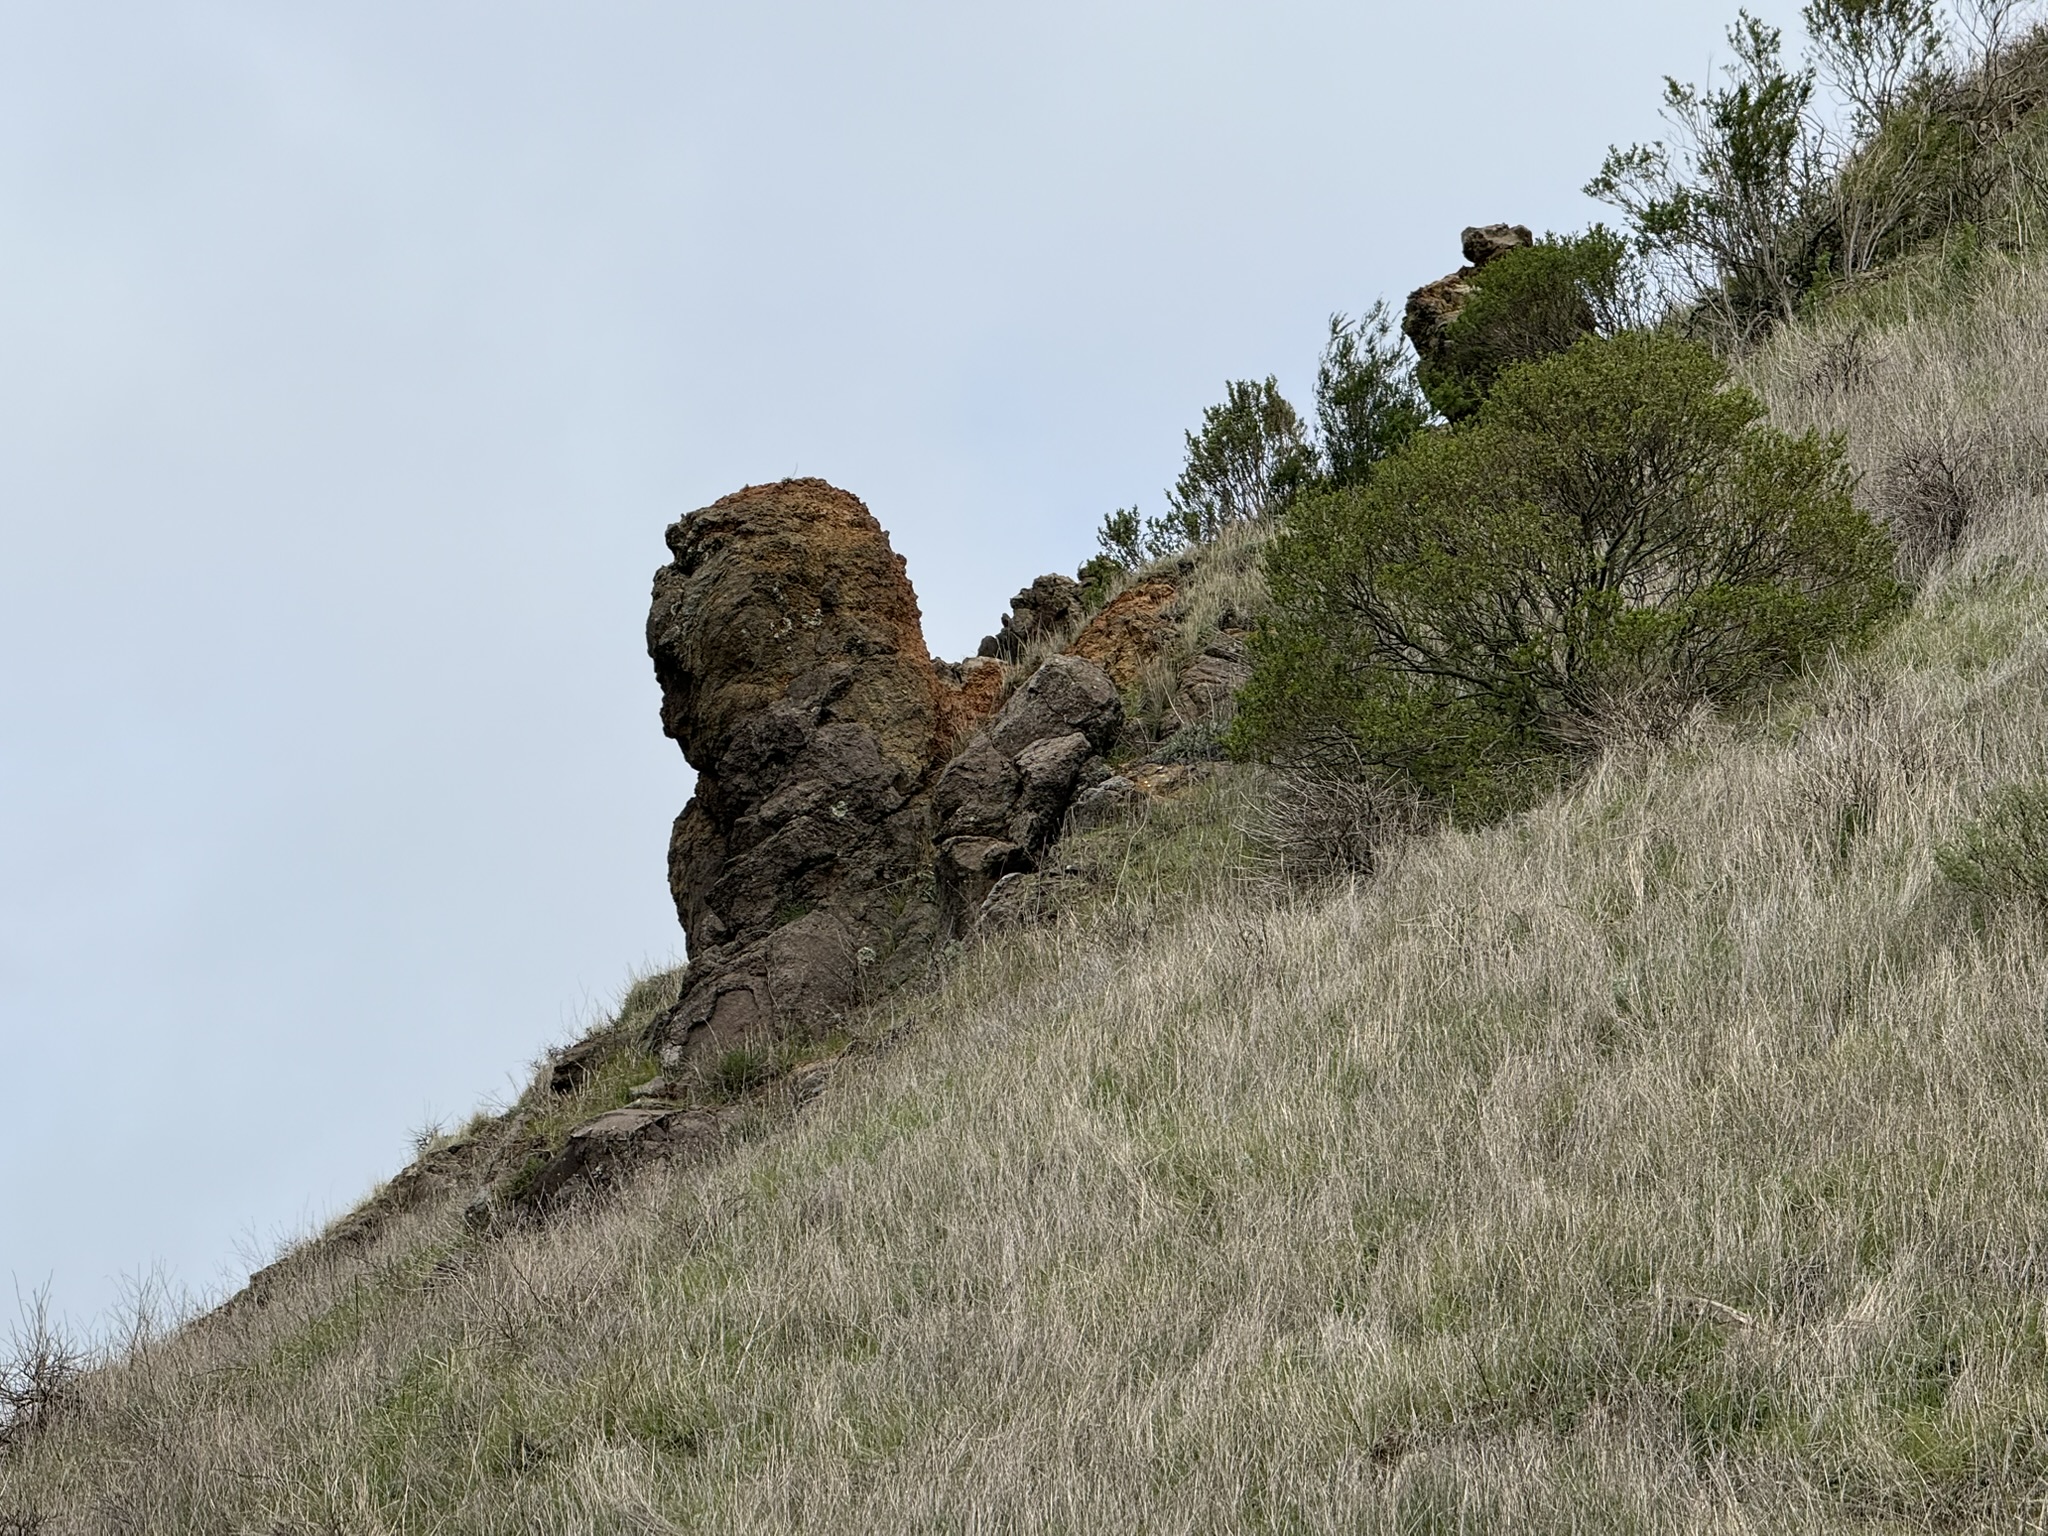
(794, 675)
(1135, 628)
(970, 694)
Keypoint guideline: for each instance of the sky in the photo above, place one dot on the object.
(353, 359)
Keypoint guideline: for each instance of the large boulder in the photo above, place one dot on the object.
(794, 675)
(835, 837)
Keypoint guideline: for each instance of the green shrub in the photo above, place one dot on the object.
(1760, 202)
(1615, 530)
(2003, 854)
(1528, 304)
(1367, 400)
(1249, 459)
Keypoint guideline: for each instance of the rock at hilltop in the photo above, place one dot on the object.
(1434, 306)
(787, 642)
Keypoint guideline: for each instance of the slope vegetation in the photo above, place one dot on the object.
(1673, 1157)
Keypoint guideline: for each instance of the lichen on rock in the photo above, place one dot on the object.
(786, 639)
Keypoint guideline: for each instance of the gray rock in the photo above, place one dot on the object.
(1066, 694)
(1111, 801)
(1481, 243)
(1050, 609)
(1048, 770)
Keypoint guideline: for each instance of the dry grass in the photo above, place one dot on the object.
(1673, 1158)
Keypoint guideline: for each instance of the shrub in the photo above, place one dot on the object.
(1249, 459)
(1732, 212)
(39, 1373)
(1616, 524)
(1760, 202)
(1121, 539)
(1528, 304)
(2003, 854)
(1312, 826)
(1367, 401)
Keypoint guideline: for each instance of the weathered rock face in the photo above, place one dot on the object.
(970, 692)
(794, 676)
(1002, 801)
(1208, 683)
(1131, 630)
(1433, 307)
(856, 803)
(1050, 607)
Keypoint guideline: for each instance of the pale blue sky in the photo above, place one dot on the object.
(354, 357)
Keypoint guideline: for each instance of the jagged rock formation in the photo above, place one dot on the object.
(1003, 800)
(835, 838)
(1132, 629)
(1050, 608)
(794, 676)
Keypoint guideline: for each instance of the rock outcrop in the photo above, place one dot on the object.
(1133, 628)
(1050, 609)
(856, 802)
(1004, 799)
(794, 676)
(1432, 307)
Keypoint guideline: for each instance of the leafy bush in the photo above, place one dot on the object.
(1760, 201)
(2003, 854)
(1616, 524)
(1121, 538)
(1526, 304)
(1367, 400)
(1250, 457)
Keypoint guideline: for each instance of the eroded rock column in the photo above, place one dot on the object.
(787, 642)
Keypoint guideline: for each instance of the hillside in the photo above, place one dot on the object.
(1670, 1157)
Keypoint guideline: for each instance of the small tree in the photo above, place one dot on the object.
(1249, 460)
(1732, 215)
(1616, 528)
(1367, 401)
(1121, 539)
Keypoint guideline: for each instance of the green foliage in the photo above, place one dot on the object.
(1761, 202)
(2003, 854)
(1248, 461)
(1876, 53)
(1099, 576)
(1730, 213)
(1616, 529)
(1121, 539)
(1527, 304)
(1367, 400)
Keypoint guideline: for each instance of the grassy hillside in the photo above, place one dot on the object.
(1673, 1157)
